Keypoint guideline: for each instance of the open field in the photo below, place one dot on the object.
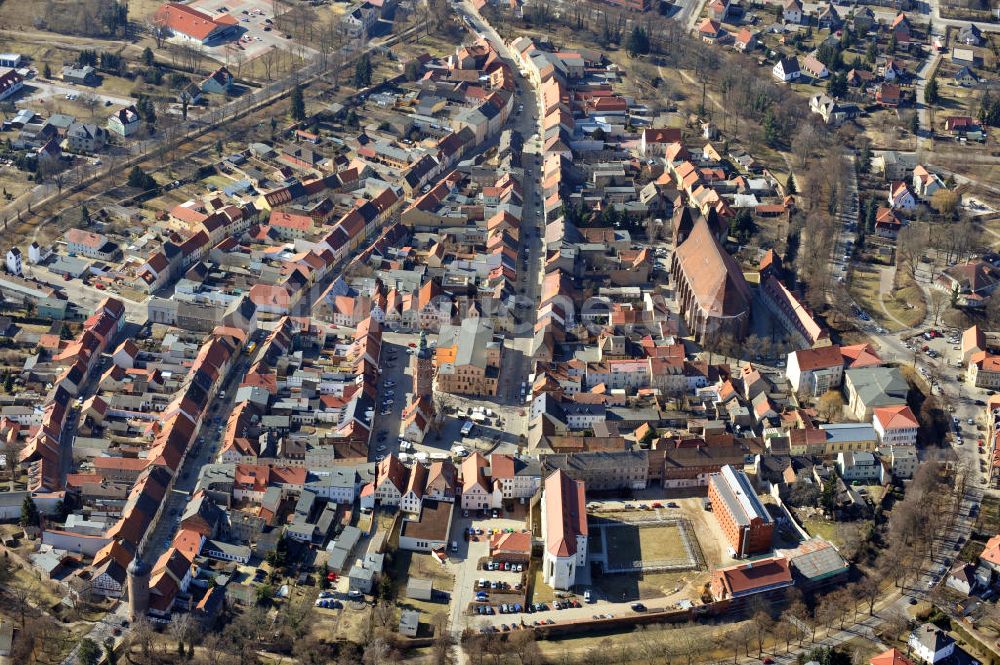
(628, 587)
(646, 645)
(821, 528)
(864, 288)
(907, 302)
(407, 565)
(345, 624)
(628, 543)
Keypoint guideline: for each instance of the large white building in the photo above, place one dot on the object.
(564, 529)
(10, 83)
(895, 425)
(187, 24)
(815, 371)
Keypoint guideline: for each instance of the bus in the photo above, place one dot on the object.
(467, 428)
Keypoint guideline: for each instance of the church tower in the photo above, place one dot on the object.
(423, 369)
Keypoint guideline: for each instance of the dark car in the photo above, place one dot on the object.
(638, 607)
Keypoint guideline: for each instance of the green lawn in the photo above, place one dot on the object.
(822, 528)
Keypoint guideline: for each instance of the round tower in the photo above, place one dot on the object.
(138, 588)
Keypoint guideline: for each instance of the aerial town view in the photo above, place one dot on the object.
(500, 332)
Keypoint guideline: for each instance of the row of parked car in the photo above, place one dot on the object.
(515, 626)
(501, 586)
(503, 565)
(329, 603)
(503, 608)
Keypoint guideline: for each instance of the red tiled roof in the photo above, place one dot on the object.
(748, 577)
(896, 417)
(891, 657)
(189, 21)
(565, 503)
(818, 358)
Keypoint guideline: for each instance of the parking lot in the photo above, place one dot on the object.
(256, 34)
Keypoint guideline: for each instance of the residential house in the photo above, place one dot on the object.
(125, 121)
(745, 40)
(359, 21)
(792, 12)
(81, 75)
(787, 69)
(970, 35)
(710, 31)
(966, 77)
(814, 68)
(815, 371)
(932, 645)
(219, 82)
(888, 223)
(900, 196)
(984, 370)
(925, 183)
(833, 112)
(827, 17)
(902, 461)
(85, 137)
(972, 282)
(10, 83)
(861, 466)
(889, 95)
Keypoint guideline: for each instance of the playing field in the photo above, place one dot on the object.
(628, 543)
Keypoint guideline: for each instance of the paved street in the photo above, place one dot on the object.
(86, 297)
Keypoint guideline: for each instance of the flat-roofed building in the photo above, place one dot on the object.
(743, 518)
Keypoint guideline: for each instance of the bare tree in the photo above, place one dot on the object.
(143, 635)
(911, 245)
(939, 301)
(11, 451)
(21, 593)
(762, 626)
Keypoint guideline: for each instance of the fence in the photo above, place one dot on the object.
(694, 560)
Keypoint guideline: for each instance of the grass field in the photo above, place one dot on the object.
(650, 645)
(627, 587)
(864, 287)
(540, 591)
(907, 302)
(407, 565)
(821, 528)
(989, 515)
(627, 543)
